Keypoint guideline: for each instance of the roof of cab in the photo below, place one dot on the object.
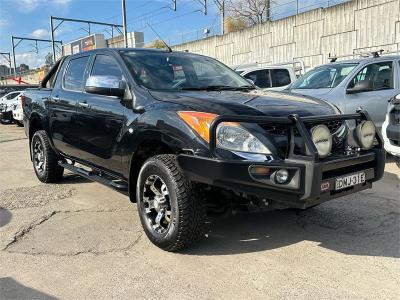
(366, 59)
(126, 49)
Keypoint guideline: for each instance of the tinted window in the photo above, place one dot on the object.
(106, 65)
(260, 78)
(280, 77)
(12, 96)
(380, 74)
(73, 78)
(179, 71)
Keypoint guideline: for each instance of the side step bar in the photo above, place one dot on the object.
(91, 175)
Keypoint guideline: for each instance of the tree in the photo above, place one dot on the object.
(48, 60)
(23, 67)
(232, 24)
(252, 12)
(159, 44)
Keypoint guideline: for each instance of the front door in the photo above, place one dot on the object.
(101, 119)
(385, 86)
(63, 110)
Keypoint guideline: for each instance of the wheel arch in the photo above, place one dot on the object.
(146, 149)
(35, 124)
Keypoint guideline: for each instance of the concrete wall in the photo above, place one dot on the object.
(352, 27)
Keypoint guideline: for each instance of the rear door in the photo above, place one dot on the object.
(68, 90)
(385, 80)
(101, 119)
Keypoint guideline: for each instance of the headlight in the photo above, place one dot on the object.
(322, 139)
(365, 134)
(232, 136)
(229, 136)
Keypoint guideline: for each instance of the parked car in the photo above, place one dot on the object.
(5, 89)
(275, 78)
(391, 128)
(7, 103)
(17, 111)
(173, 128)
(365, 83)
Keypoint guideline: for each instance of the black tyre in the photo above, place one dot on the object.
(172, 215)
(44, 159)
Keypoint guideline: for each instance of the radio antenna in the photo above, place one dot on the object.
(166, 45)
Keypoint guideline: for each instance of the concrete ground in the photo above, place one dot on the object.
(81, 240)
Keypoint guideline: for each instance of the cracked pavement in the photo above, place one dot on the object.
(81, 240)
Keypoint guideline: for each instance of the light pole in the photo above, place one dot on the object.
(124, 23)
(221, 6)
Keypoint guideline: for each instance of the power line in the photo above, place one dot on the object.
(174, 17)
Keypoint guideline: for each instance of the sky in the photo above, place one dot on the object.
(30, 18)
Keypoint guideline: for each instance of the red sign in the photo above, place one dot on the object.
(325, 186)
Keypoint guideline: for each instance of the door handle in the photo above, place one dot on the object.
(83, 104)
(55, 99)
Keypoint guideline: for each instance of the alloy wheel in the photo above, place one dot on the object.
(156, 204)
(39, 159)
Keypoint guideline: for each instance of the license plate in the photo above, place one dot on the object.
(349, 180)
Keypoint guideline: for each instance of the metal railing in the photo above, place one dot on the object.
(293, 121)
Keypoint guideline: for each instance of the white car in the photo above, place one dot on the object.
(276, 78)
(18, 113)
(8, 103)
(391, 128)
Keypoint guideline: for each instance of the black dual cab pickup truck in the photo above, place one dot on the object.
(186, 136)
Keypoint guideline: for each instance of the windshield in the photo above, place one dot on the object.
(174, 71)
(327, 76)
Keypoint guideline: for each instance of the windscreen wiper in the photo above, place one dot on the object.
(218, 88)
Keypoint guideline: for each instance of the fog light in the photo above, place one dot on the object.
(365, 134)
(281, 176)
(322, 138)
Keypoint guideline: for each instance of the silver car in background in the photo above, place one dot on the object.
(366, 83)
(391, 128)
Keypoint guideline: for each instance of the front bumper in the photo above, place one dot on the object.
(6, 116)
(18, 114)
(391, 137)
(311, 180)
(317, 180)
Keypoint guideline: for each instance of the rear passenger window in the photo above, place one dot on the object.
(260, 78)
(280, 77)
(73, 79)
(105, 65)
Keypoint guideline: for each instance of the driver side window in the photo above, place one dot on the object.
(379, 74)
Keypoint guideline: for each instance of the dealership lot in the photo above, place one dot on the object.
(81, 240)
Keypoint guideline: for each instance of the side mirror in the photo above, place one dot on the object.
(361, 86)
(105, 85)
